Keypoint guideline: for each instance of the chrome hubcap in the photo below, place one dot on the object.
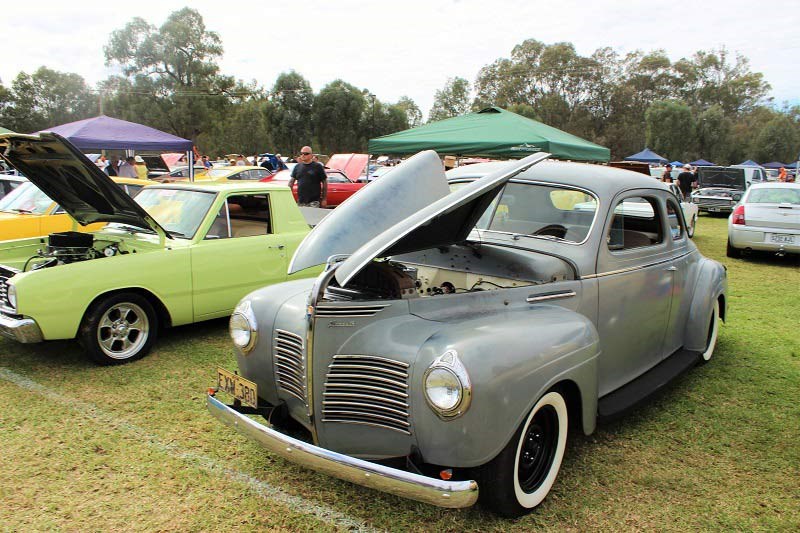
(123, 330)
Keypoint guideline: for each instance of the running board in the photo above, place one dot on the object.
(651, 382)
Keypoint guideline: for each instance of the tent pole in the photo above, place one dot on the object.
(190, 159)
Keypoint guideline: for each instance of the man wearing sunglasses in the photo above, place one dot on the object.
(312, 182)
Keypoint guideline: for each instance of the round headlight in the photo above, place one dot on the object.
(447, 386)
(11, 294)
(443, 389)
(242, 327)
(737, 197)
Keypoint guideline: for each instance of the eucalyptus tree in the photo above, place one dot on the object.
(45, 99)
(670, 129)
(451, 101)
(170, 74)
(290, 116)
(343, 117)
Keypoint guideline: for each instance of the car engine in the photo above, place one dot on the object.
(68, 247)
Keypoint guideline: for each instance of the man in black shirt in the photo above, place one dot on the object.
(312, 182)
(685, 180)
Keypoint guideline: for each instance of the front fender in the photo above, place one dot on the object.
(711, 283)
(512, 358)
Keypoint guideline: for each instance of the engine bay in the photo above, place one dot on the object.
(71, 247)
(449, 270)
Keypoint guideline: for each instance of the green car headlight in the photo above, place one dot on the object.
(448, 390)
(243, 327)
(11, 295)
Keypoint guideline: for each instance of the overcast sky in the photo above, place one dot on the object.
(408, 47)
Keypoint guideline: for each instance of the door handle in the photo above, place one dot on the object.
(279, 247)
(671, 269)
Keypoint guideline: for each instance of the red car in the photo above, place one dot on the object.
(340, 187)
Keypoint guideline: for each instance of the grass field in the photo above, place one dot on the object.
(133, 448)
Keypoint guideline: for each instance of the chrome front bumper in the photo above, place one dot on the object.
(454, 494)
(24, 330)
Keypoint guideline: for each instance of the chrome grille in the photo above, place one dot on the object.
(290, 368)
(5, 274)
(713, 202)
(349, 310)
(368, 390)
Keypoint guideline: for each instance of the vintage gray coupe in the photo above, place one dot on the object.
(462, 326)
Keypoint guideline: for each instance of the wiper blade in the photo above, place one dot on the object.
(133, 229)
(24, 211)
(177, 234)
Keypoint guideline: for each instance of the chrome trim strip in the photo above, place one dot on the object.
(369, 378)
(363, 409)
(354, 366)
(339, 396)
(385, 360)
(550, 296)
(638, 267)
(385, 391)
(453, 494)
(362, 423)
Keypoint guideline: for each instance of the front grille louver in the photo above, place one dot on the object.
(290, 368)
(368, 390)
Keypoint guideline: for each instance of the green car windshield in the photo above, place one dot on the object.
(27, 198)
(180, 212)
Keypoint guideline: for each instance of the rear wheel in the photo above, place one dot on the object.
(119, 328)
(713, 331)
(520, 477)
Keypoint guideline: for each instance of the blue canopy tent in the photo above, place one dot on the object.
(647, 156)
(676, 164)
(107, 133)
(749, 163)
(775, 164)
(702, 163)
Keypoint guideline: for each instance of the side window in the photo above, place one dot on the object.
(674, 219)
(335, 177)
(249, 215)
(220, 229)
(636, 224)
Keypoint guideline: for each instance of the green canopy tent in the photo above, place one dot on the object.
(492, 132)
(5, 130)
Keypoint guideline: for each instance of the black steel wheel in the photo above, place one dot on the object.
(521, 476)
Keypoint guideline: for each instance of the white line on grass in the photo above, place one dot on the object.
(264, 489)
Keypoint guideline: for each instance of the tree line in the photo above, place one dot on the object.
(710, 105)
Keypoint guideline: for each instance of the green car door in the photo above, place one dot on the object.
(239, 253)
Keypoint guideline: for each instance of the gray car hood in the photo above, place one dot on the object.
(408, 209)
(64, 174)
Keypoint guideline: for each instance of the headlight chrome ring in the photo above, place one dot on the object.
(448, 389)
(11, 295)
(243, 327)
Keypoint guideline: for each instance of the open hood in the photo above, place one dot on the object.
(64, 174)
(352, 165)
(380, 205)
(446, 221)
(727, 177)
(408, 209)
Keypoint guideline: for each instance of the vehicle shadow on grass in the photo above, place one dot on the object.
(757, 257)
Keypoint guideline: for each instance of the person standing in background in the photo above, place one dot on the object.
(127, 168)
(686, 180)
(312, 182)
(666, 177)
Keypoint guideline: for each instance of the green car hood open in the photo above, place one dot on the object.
(64, 174)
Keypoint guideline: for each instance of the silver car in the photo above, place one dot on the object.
(767, 218)
(461, 327)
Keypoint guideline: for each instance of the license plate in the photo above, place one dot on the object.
(713, 209)
(242, 389)
(781, 238)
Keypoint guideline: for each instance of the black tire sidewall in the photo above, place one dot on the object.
(498, 478)
(87, 334)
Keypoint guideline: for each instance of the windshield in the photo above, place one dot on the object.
(27, 198)
(538, 210)
(178, 211)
